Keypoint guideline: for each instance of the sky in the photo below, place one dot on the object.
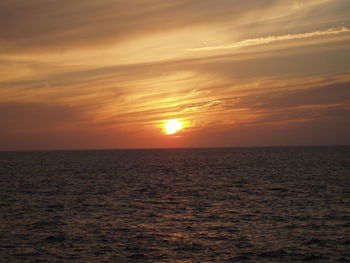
(106, 74)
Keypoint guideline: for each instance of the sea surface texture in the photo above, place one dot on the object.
(288, 204)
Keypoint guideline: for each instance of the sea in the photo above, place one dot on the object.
(272, 204)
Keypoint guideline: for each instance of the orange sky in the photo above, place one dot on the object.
(107, 74)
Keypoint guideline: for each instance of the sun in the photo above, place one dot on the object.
(173, 126)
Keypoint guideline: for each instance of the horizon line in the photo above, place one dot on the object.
(176, 148)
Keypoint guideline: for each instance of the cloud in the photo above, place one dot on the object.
(39, 25)
(22, 117)
(336, 93)
(116, 69)
(314, 132)
(271, 39)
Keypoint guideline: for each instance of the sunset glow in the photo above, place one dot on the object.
(113, 73)
(174, 130)
(173, 126)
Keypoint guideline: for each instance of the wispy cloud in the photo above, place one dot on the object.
(110, 72)
(271, 39)
(105, 22)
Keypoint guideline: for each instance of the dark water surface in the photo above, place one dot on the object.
(184, 205)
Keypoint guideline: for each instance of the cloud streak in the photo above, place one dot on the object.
(62, 25)
(271, 39)
(108, 73)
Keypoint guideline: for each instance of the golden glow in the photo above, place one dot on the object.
(173, 126)
(223, 78)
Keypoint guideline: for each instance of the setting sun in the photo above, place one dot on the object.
(173, 126)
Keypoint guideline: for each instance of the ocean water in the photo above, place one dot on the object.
(288, 204)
